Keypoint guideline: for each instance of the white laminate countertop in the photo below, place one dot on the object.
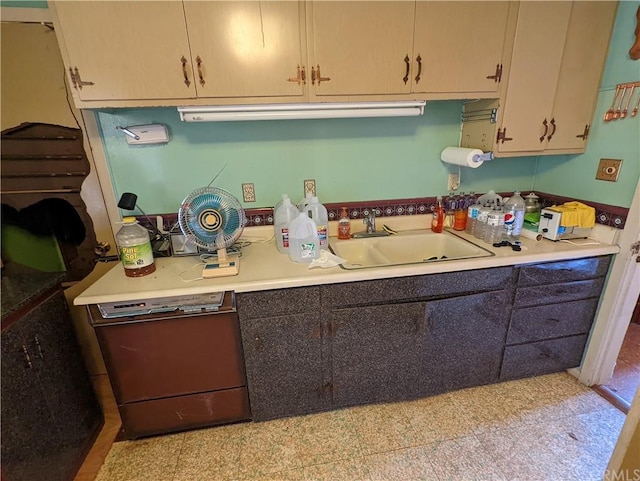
(262, 267)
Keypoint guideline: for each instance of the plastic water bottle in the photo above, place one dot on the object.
(495, 226)
(135, 250)
(318, 213)
(481, 220)
(514, 209)
(304, 245)
(437, 218)
(280, 202)
(282, 218)
(472, 215)
(302, 205)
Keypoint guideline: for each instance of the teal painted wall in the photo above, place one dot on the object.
(574, 176)
(362, 159)
(24, 3)
(350, 159)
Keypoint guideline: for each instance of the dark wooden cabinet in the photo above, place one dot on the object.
(50, 415)
(554, 307)
(175, 371)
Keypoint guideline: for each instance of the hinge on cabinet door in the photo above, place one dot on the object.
(299, 77)
(635, 249)
(497, 77)
(502, 136)
(73, 78)
(332, 328)
(78, 80)
(317, 332)
(585, 134)
(316, 76)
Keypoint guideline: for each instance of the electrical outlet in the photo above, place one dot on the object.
(310, 186)
(453, 182)
(609, 169)
(248, 193)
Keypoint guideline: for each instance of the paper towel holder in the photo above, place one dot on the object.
(476, 160)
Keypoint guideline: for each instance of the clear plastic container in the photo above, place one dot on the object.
(494, 230)
(304, 245)
(481, 220)
(490, 197)
(134, 247)
(318, 213)
(282, 218)
(472, 215)
(302, 205)
(514, 208)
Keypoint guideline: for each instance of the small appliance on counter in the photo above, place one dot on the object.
(571, 220)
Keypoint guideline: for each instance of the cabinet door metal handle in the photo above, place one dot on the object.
(187, 82)
(546, 129)
(200, 75)
(407, 61)
(37, 341)
(419, 60)
(27, 357)
(553, 124)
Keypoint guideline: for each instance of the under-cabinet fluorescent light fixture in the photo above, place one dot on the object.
(227, 113)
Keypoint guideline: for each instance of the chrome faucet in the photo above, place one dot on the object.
(370, 222)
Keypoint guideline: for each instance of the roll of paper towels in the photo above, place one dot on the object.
(464, 157)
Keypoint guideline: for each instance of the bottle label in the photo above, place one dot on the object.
(322, 235)
(284, 233)
(308, 250)
(472, 213)
(136, 256)
(496, 219)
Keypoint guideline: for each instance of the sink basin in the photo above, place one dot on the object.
(411, 247)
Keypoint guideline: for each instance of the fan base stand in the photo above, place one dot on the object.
(221, 269)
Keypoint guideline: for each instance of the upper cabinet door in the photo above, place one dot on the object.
(459, 46)
(125, 50)
(246, 48)
(535, 67)
(360, 47)
(583, 61)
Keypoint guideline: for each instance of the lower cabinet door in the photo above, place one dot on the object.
(283, 360)
(375, 353)
(184, 412)
(542, 357)
(464, 338)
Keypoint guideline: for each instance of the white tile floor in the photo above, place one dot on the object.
(542, 429)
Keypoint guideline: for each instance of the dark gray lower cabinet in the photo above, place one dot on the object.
(323, 347)
(464, 341)
(376, 352)
(50, 415)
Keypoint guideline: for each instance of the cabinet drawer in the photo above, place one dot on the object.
(556, 293)
(542, 357)
(416, 287)
(549, 321)
(184, 412)
(278, 302)
(557, 272)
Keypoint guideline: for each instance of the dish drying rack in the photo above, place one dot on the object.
(622, 101)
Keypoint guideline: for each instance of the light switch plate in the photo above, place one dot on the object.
(609, 169)
(148, 134)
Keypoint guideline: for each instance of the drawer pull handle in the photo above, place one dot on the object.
(553, 124)
(27, 357)
(553, 319)
(546, 129)
(200, 74)
(419, 60)
(37, 341)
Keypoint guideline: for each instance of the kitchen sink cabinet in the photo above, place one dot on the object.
(176, 370)
(469, 63)
(50, 415)
(554, 307)
(553, 79)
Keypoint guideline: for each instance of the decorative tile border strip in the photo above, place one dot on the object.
(609, 215)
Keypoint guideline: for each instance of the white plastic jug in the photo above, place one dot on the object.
(318, 213)
(304, 245)
(282, 218)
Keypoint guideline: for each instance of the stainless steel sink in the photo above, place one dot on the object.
(410, 247)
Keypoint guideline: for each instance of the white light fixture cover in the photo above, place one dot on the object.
(225, 113)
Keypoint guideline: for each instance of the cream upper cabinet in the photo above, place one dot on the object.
(535, 67)
(585, 53)
(458, 47)
(360, 48)
(247, 48)
(125, 50)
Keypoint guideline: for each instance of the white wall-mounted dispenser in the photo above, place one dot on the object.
(145, 134)
(464, 157)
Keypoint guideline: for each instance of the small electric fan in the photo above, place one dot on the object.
(213, 219)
